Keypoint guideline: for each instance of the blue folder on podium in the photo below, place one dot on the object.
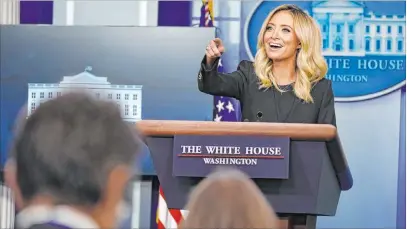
(300, 168)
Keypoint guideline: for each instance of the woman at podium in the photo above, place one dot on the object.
(285, 83)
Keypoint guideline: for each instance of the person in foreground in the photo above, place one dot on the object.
(286, 81)
(70, 162)
(228, 198)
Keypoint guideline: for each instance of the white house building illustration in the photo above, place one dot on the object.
(127, 97)
(347, 29)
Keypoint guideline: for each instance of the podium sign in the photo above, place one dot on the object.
(257, 156)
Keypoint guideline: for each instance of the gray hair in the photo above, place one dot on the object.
(68, 147)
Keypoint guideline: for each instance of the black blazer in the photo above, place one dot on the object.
(263, 105)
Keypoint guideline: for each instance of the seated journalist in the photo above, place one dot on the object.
(285, 83)
(70, 164)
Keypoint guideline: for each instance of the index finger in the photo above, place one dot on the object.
(217, 41)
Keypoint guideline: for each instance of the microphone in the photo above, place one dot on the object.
(259, 115)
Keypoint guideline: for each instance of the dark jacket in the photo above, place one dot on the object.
(267, 105)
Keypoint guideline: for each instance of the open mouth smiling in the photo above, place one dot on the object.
(275, 45)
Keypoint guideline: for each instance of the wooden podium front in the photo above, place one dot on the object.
(318, 170)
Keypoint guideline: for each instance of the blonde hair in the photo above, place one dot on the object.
(310, 64)
(228, 199)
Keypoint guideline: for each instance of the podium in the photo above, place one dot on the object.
(310, 179)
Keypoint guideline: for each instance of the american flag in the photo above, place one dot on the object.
(168, 218)
(224, 107)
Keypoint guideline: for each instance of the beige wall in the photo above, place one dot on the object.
(106, 12)
(9, 12)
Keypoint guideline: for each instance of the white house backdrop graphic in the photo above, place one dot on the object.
(347, 30)
(127, 97)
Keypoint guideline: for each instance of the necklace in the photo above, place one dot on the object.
(286, 88)
(277, 102)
